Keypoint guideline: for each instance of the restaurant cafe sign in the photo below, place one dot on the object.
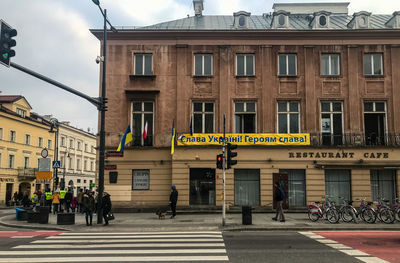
(338, 155)
(244, 139)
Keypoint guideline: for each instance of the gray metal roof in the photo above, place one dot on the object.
(263, 22)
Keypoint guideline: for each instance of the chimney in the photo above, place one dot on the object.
(198, 7)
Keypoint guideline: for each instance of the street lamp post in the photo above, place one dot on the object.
(55, 124)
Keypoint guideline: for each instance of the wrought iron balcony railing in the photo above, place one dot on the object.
(27, 172)
(355, 140)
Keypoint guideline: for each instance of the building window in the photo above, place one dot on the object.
(245, 117)
(296, 187)
(92, 149)
(383, 185)
(202, 186)
(337, 183)
(0, 160)
(78, 180)
(79, 146)
(247, 187)
(40, 142)
(287, 65)
(330, 65)
(85, 165)
(78, 164)
(84, 181)
(62, 160)
(71, 144)
(245, 65)
(140, 179)
(1, 133)
(13, 136)
(331, 123)
(86, 147)
(373, 64)
(375, 122)
(71, 165)
(288, 117)
(26, 162)
(203, 117)
(143, 64)
(49, 144)
(91, 166)
(27, 139)
(63, 141)
(21, 112)
(142, 115)
(203, 64)
(11, 160)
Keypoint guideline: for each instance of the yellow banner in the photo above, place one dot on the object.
(44, 175)
(245, 139)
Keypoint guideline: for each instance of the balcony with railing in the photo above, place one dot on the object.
(27, 172)
(355, 140)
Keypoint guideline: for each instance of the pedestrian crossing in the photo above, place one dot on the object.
(122, 247)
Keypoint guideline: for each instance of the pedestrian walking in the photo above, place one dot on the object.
(173, 199)
(35, 199)
(68, 200)
(62, 199)
(48, 194)
(80, 201)
(56, 201)
(280, 197)
(74, 204)
(106, 206)
(89, 206)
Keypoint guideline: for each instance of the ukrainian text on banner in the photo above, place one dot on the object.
(245, 139)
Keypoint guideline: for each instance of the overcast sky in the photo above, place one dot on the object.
(54, 40)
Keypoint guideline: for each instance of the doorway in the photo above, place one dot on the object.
(374, 128)
(202, 186)
(9, 188)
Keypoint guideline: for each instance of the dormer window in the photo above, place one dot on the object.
(280, 19)
(360, 20)
(394, 21)
(321, 20)
(241, 19)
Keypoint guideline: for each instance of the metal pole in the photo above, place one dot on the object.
(56, 153)
(102, 128)
(223, 176)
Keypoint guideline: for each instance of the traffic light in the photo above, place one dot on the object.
(220, 163)
(6, 43)
(229, 161)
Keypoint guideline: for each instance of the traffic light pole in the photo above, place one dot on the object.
(223, 176)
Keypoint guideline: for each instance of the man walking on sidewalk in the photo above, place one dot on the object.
(173, 199)
(280, 197)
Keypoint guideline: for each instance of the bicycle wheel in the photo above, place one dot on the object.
(347, 214)
(332, 215)
(368, 216)
(397, 214)
(313, 216)
(387, 216)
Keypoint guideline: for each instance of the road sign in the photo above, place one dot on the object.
(44, 153)
(44, 165)
(56, 164)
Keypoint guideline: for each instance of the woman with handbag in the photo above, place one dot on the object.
(106, 206)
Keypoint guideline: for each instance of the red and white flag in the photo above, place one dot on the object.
(145, 130)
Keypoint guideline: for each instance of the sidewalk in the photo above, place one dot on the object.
(143, 222)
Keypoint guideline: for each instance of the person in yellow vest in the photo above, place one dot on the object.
(35, 199)
(62, 199)
(48, 194)
(56, 201)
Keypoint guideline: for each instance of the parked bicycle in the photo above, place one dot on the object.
(384, 212)
(396, 209)
(328, 211)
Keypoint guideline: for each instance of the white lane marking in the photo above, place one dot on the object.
(371, 260)
(354, 252)
(64, 246)
(338, 246)
(138, 233)
(133, 236)
(326, 241)
(117, 259)
(22, 237)
(88, 252)
(131, 240)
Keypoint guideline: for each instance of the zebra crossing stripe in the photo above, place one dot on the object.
(64, 246)
(45, 241)
(117, 259)
(133, 236)
(139, 233)
(98, 252)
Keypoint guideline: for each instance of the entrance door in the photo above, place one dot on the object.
(9, 188)
(282, 179)
(202, 186)
(247, 187)
(374, 129)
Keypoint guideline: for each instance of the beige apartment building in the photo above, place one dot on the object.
(303, 69)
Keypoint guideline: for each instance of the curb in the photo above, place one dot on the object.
(29, 226)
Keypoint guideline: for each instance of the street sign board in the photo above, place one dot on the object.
(44, 176)
(44, 165)
(56, 164)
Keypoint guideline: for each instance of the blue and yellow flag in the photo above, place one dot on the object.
(127, 138)
(173, 137)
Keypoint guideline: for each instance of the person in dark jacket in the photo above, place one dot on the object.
(89, 207)
(106, 206)
(173, 199)
(68, 200)
(280, 197)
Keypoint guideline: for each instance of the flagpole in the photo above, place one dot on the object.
(223, 176)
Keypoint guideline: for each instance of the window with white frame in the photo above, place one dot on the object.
(71, 164)
(26, 162)
(92, 149)
(11, 160)
(78, 164)
(203, 117)
(142, 117)
(40, 142)
(330, 65)
(91, 166)
(49, 144)
(13, 136)
(373, 64)
(71, 143)
(332, 122)
(375, 122)
(245, 65)
(85, 165)
(62, 160)
(203, 64)
(62, 141)
(21, 112)
(288, 117)
(27, 139)
(245, 117)
(143, 64)
(287, 65)
(86, 147)
(79, 146)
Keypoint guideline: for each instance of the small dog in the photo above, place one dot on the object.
(161, 214)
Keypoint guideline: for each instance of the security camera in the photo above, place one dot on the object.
(99, 59)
